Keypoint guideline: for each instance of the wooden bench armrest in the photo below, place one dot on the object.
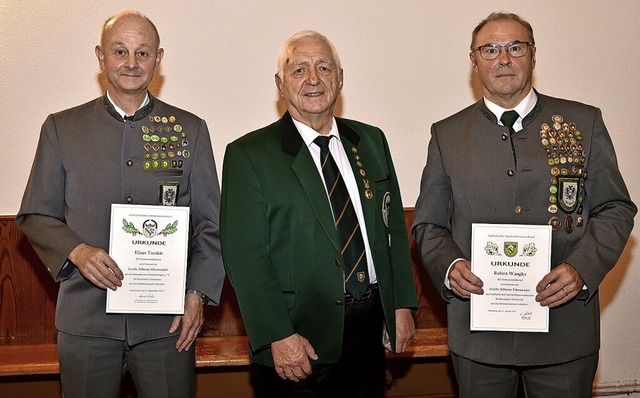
(28, 359)
(430, 342)
(222, 351)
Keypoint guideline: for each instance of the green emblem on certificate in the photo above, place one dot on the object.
(510, 249)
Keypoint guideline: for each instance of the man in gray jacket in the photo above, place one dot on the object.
(125, 147)
(551, 163)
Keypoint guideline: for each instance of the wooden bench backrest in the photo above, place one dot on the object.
(28, 295)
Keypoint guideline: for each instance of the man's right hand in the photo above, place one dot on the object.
(463, 282)
(97, 266)
(291, 357)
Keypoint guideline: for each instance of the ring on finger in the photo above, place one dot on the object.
(565, 292)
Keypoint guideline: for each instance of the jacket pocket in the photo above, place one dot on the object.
(168, 173)
(290, 299)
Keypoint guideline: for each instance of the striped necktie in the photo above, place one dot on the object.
(344, 214)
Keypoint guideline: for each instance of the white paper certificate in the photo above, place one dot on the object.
(510, 260)
(149, 244)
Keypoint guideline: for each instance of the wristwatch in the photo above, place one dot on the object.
(202, 296)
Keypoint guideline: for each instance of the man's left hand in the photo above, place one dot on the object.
(405, 329)
(559, 286)
(191, 320)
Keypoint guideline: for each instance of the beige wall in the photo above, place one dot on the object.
(405, 63)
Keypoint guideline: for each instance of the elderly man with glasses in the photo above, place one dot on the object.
(518, 157)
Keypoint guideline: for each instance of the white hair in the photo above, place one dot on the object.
(283, 54)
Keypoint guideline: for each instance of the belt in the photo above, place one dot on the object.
(349, 299)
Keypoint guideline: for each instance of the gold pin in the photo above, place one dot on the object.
(555, 223)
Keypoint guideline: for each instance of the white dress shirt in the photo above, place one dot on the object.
(342, 161)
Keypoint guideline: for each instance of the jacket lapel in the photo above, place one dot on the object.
(307, 173)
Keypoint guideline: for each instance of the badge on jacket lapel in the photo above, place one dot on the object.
(368, 193)
(386, 210)
(168, 193)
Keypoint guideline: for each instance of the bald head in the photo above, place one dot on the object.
(113, 20)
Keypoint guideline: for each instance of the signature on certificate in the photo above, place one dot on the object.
(526, 315)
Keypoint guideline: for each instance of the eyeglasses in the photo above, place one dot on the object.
(515, 49)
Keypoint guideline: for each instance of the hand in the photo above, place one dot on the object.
(96, 265)
(291, 357)
(405, 329)
(191, 320)
(463, 282)
(559, 286)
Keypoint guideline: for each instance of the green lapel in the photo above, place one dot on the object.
(350, 140)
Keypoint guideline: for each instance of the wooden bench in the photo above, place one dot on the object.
(27, 307)
(31, 359)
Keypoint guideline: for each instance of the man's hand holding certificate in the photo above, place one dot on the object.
(510, 260)
(149, 244)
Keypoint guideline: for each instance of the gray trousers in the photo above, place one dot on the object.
(572, 379)
(92, 367)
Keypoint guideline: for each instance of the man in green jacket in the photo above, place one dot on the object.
(316, 300)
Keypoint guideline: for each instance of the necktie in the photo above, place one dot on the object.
(129, 118)
(508, 118)
(346, 221)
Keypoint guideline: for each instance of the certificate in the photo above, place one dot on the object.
(149, 244)
(510, 260)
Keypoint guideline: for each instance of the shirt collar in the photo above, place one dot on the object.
(308, 134)
(523, 108)
(123, 113)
